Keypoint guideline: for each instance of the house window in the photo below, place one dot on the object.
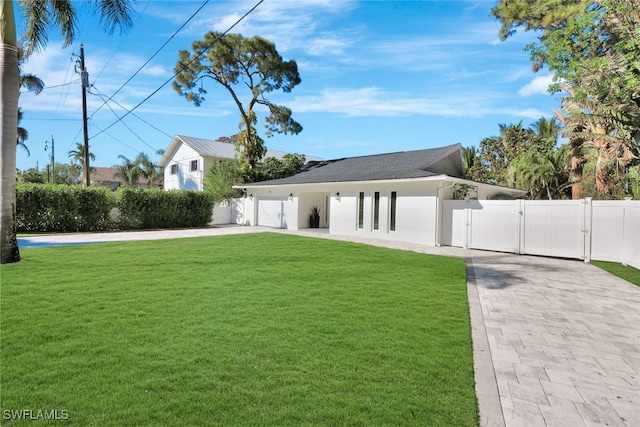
(376, 210)
(392, 215)
(194, 165)
(174, 169)
(361, 210)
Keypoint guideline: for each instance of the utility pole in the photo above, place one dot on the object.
(84, 79)
(52, 156)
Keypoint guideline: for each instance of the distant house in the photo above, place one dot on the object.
(107, 177)
(187, 160)
(395, 196)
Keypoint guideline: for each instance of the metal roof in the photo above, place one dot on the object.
(211, 148)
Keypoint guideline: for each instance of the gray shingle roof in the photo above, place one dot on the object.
(405, 164)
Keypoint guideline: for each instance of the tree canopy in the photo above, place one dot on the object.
(592, 48)
(249, 69)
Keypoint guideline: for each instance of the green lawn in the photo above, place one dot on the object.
(259, 329)
(625, 272)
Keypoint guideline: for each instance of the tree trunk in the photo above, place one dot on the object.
(577, 188)
(9, 88)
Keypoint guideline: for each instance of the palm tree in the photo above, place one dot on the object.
(23, 134)
(608, 130)
(33, 84)
(128, 172)
(148, 170)
(40, 15)
(547, 131)
(77, 156)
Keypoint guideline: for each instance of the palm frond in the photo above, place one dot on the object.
(37, 19)
(65, 17)
(115, 14)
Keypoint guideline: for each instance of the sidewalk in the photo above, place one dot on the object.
(556, 342)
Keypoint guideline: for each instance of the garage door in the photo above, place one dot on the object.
(271, 213)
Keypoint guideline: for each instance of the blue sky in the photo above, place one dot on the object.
(377, 76)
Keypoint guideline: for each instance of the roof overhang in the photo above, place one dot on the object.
(170, 151)
(436, 178)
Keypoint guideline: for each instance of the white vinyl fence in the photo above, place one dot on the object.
(583, 229)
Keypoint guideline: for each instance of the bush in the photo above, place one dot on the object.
(148, 209)
(48, 207)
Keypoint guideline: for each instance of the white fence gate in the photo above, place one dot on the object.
(583, 229)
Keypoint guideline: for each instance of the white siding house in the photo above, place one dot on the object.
(187, 160)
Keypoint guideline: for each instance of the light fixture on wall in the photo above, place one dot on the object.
(291, 197)
(251, 196)
(338, 196)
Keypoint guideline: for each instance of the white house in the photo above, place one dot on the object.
(187, 160)
(396, 196)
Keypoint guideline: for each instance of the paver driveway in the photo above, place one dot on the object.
(564, 338)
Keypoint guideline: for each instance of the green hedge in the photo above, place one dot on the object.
(46, 207)
(148, 209)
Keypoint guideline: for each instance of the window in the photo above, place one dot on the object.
(194, 165)
(392, 215)
(376, 210)
(174, 169)
(361, 210)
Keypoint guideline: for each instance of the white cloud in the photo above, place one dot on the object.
(538, 86)
(375, 102)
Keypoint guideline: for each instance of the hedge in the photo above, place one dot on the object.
(47, 207)
(148, 209)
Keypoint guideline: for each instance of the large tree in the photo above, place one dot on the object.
(497, 152)
(39, 15)
(592, 47)
(249, 69)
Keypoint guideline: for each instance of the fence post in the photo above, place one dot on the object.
(520, 218)
(625, 240)
(586, 227)
(467, 225)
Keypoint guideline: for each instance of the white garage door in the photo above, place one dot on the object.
(271, 213)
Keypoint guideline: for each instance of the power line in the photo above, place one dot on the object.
(125, 125)
(115, 139)
(102, 95)
(153, 56)
(183, 68)
(120, 45)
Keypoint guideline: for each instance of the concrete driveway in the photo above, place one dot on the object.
(556, 342)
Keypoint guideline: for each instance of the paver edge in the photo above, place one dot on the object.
(489, 405)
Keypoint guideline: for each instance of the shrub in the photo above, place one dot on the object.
(49, 207)
(148, 209)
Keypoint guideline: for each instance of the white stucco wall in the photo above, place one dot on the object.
(416, 208)
(415, 212)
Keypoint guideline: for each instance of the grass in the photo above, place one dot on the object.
(260, 329)
(626, 272)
